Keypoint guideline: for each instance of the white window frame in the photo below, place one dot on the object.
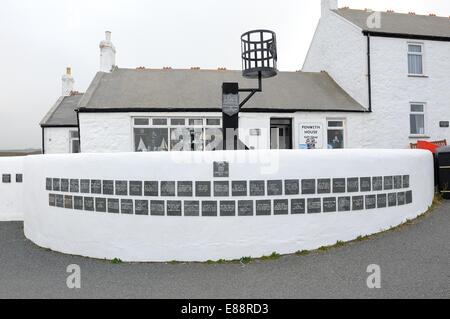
(421, 54)
(424, 113)
(343, 128)
(71, 139)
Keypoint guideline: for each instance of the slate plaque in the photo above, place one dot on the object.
(100, 204)
(96, 186)
(209, 208)
(113, 205)
(56, 184)
(78, 202)
(108, 187)
(74, 185)
(121, 188)
(371, 201)
(228, 208)
(388, 182)
(329, 204)
(59, 200)
(344, 204)
(398, 182)
(191, 208)
(221, 188)
(89, 204)
(203, 189)
(157, 207)
(173, 208)
(184, 189)
(338, 185)
(291, 187)
(151, 188)
(298, 206)
(352, 184)
(136, 188)
(263, 207)
(126, 206)
(19, 178)
(401, 198)
(280, 206)
(140, 206)
(221, 169)
(64, 185)
(239, 188)
(51, 199)
(392, 199)
(377, 183)
(68, 201)
(245, 208)
(274, 187)
(167, 189)
(257, 188)
(48, 184)
(357, 202)
(405, 181)
(408, 197)
(6, 178)
(308, 186)
(365, 184)
(381, 200)
(324, 186)
(85, 186)
(314, 205)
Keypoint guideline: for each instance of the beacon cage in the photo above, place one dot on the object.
(259, 54)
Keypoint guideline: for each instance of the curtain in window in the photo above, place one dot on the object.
(415, 64)
(417, 122)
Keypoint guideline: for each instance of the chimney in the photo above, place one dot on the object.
(67, 82)
(107, 54)
(328, 5)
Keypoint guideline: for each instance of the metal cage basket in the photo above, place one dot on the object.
(259, 54)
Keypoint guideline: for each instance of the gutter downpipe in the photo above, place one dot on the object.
(369, 73)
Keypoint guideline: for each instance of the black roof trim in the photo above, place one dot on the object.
(405, 36)
(58, 125)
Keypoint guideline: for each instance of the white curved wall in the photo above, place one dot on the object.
(11, 193)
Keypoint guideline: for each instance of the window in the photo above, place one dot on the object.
(177, 134)
(415, 59)
(335, 133)
(74, 141)
(417, 119)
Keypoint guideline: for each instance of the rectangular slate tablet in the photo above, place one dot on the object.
(329, 204)
(113, 205)
(381, 200)
(377, 183)
(408, 197)
(141, 207)
(126, 206)
(89, 204)
(167, 188)
(56, 184)
(100, 204)
(280, 206)
(185, 189)
(263, 207)
(221, 169)
(314, 205)
(203, 189)
(352, 184)
(298, 206)
(221, 188)
(274, 187)
(324, 186)
(68, 201)
(308, 186)
(239, 188)
(257, 188)
(388, 182)
(108, 187)
(121, 188)
(209, 208)
(401, 198)
(371, 201)
(51, 199)
(365, 184)
(245, 208)
(344, 204)
(135, 188)
(227, 208)
(392, 199)
(405, 181)
(173, 207)
(191, 208)
(157, 207)
(19, 178)
(74, 185)
(78, 202)
(6, 178)
(48, 184)
(357, 202)
(64, 185)
(85, 186)
(291, 187)
(151, 188)
(96, 186)
(398, 183)
(59, 200)
(338, 185)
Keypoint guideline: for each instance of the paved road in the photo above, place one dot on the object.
(414, 261)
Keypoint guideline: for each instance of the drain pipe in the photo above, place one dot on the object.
(369, 73)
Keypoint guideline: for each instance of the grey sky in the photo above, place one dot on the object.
(38, 39)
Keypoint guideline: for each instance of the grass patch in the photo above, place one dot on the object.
(116, 261)
(246, 260)
(302, 252)
(273, 256)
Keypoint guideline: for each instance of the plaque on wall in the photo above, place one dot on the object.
(68, 201)
(157, 207)
(96, 186)
(398, 182)
(85, 186)
(89, 204)
(113, 205)
(245, 208)
(274, 187)
(108, 187)
(151, 188)
(221, 188)
(308, 186)
(365, 184)
(329, 204)
(184, 189)
(401, 198)
(228, 208)
(59, 200)
(405, 181)
(126, 206)
(344, 204)
(48, 184)
(140, 206)
(121, 188)
(324, 186)
(314, 205)
(338, 185)
(381, 200)
(353, 184)
(19, 178)
(203, 189)
(173, 208)
(191, 208)
(298, 206)
(388, 182)
(135, 188)
(291, 187)
(100, 204)
(239, 188)
(280, 207)
(257, 188)
(78, 202)
(371, 201)
(56, 184)
(221, 169)
(357, 202)
(209, 208)
(377, 183)
(64, 185)
(392, 199)
(51, 199)
(167, 189)
(74, 186)
(408, 197)
(263, 207)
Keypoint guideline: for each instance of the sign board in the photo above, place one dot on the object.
(310, 135)
(230, 104)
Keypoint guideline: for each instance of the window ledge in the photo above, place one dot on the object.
(417, 76)
(418, 136)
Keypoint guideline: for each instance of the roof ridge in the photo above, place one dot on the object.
(410, 13)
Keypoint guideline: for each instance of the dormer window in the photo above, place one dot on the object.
(415, 59)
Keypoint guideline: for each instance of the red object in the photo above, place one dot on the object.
(424, 145)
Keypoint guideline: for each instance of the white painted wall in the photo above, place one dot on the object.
(11, 194)
(57, 140)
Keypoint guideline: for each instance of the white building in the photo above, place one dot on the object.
(370, 80)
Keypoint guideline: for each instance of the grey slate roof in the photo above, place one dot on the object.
(202, 90)
(400, 23)
(63, 112)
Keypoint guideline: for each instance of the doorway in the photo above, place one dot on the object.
(280, 133)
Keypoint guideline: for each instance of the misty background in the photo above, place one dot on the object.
(38, 39)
